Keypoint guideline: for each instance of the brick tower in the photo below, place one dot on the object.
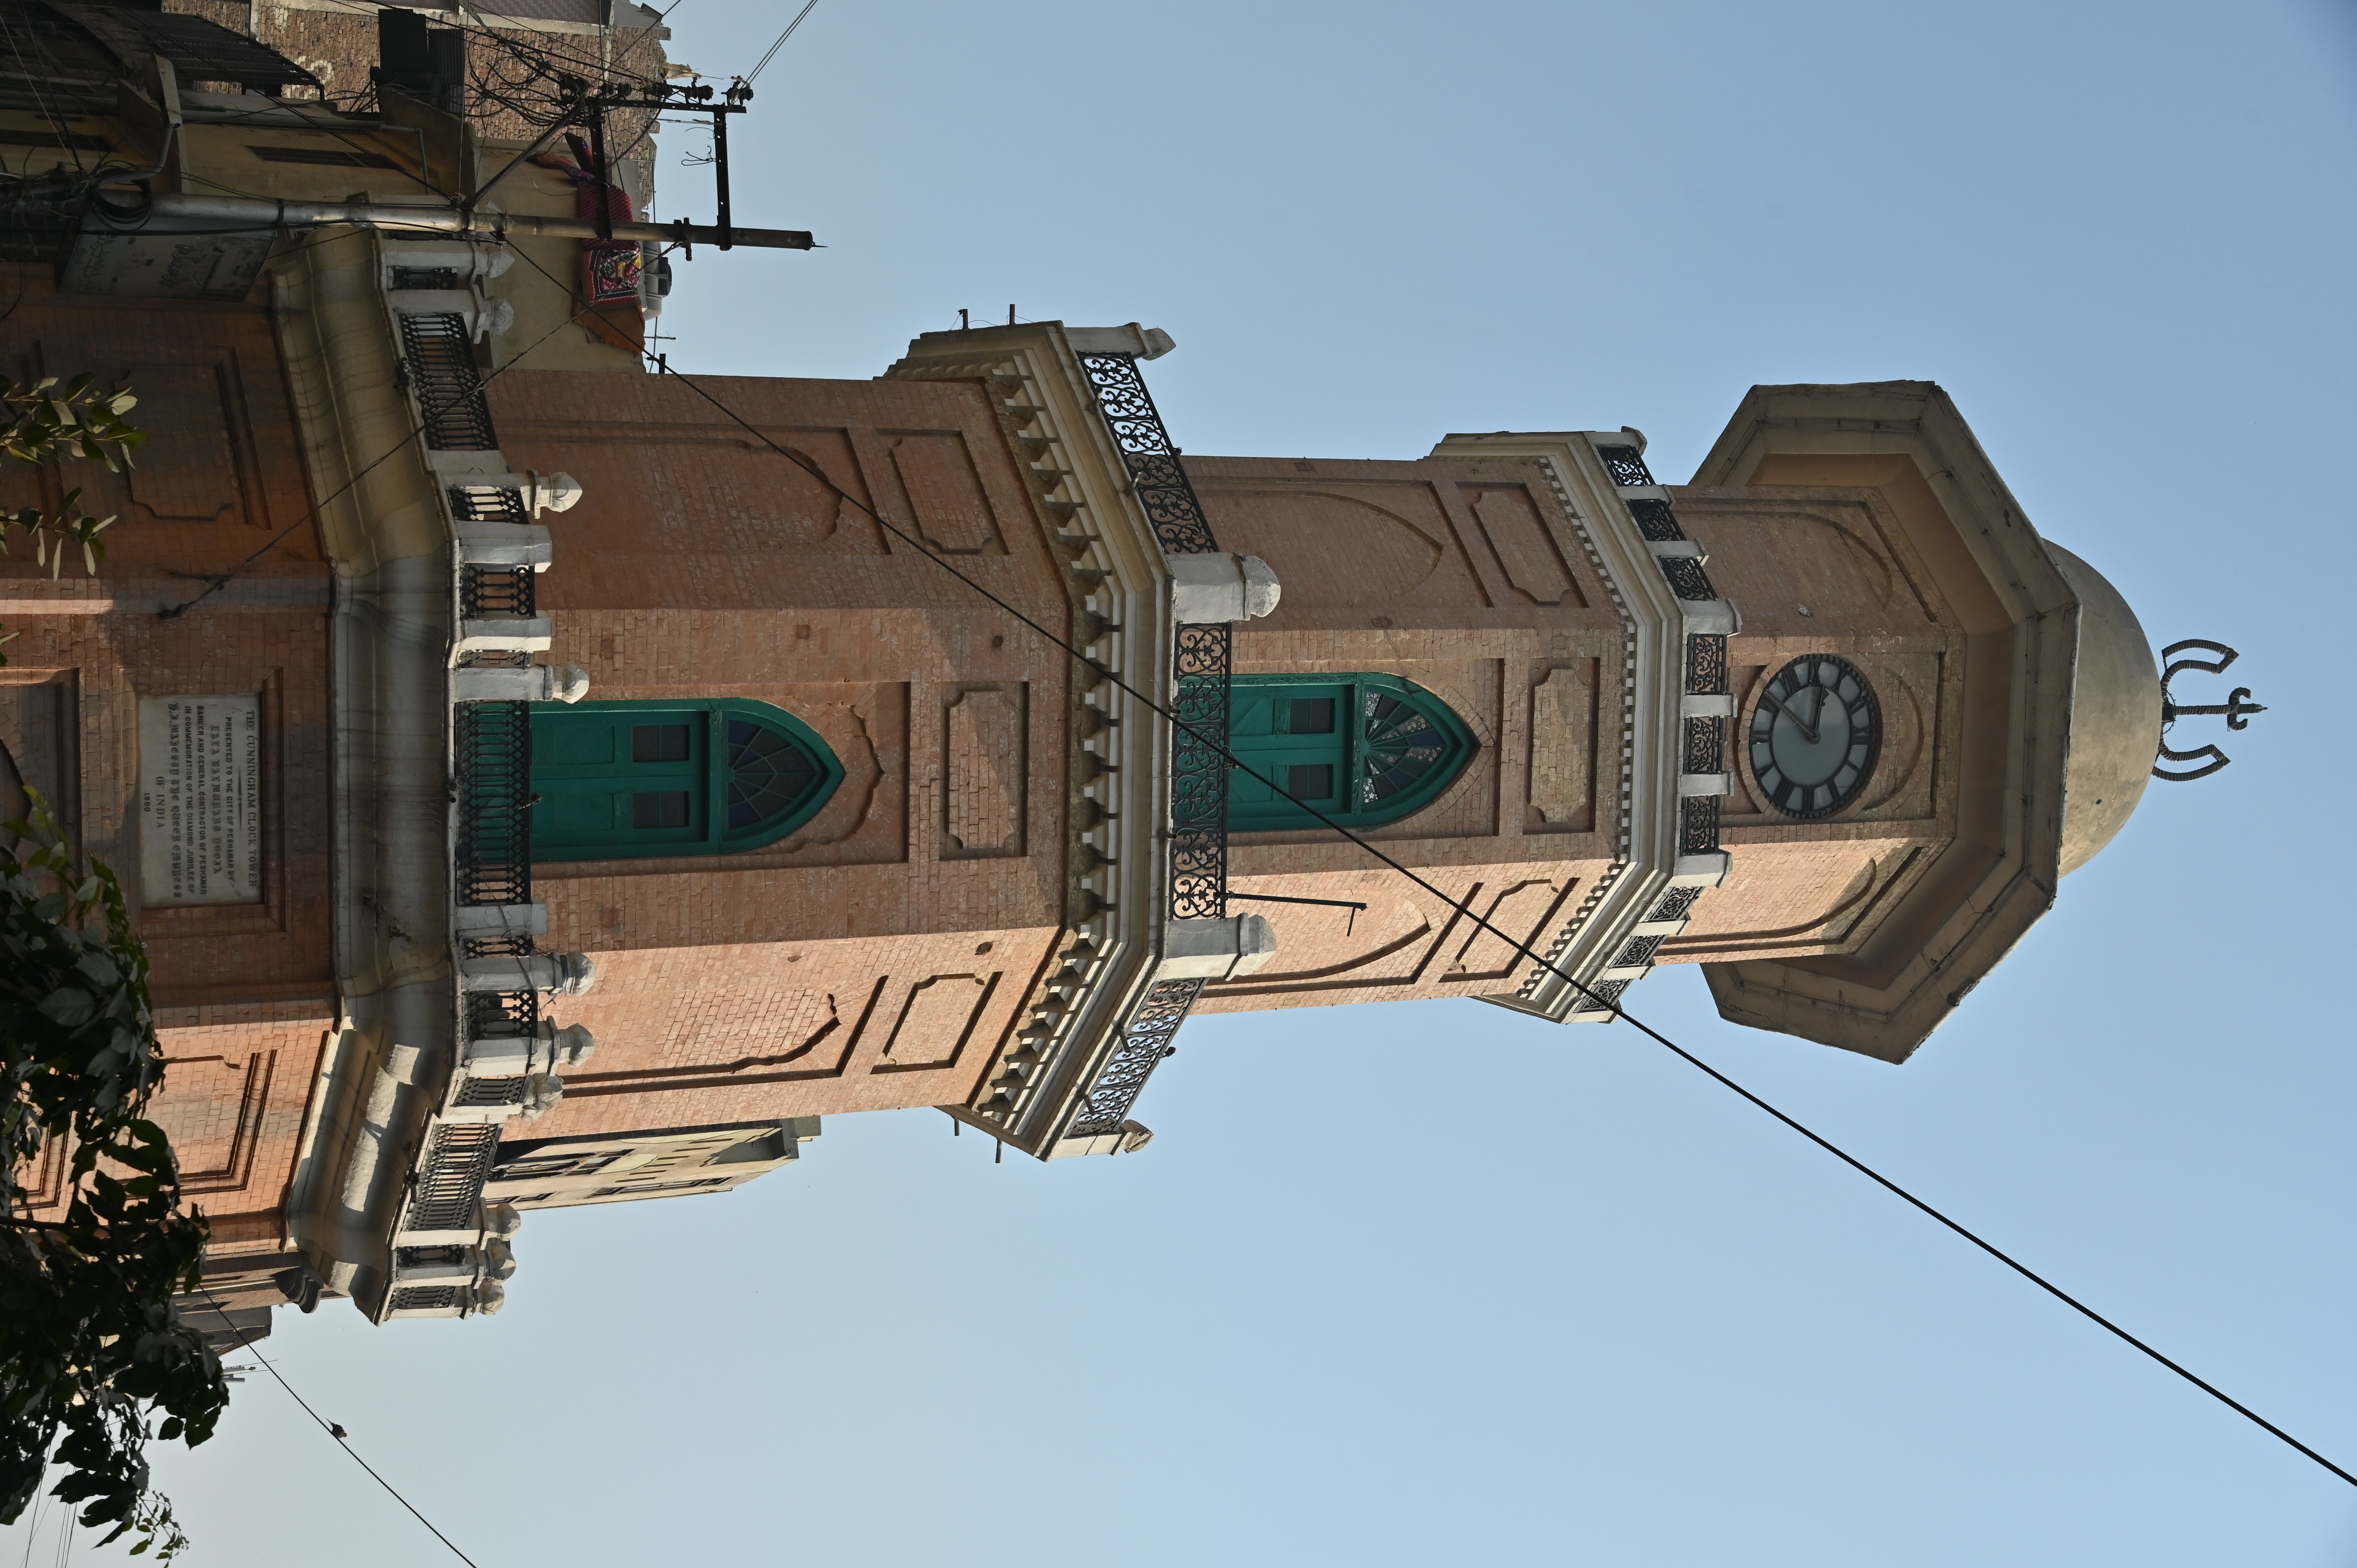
(609, 776)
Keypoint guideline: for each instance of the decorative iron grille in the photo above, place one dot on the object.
(1198, 775)
(1656, 520)
(1146, 1040)
(1706, 666)
(1638, 951)
(1625, 464)
(1201, 664)
(502, 1014)
(449, 390)
(1688, 579)
(493, 748)
(1676, 902)
(1705, 748)
(1600, 997)
(488, 591)
(487, 504)
(513, 945)
(491, 1092)
(426, 277)
(1697, 825)
(450, 1178)
(1161, 482)
(427, 1257)
(425, 1298)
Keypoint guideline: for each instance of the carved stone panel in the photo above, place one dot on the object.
(1562, 750)
(1534, 567)
(936, 1019)
(1363, 545)
(187, 471)
(1524, 912)
(945, 494)
(983, 773)
(213, 1114)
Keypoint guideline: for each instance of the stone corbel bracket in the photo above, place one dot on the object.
(1659, 585)
(1117, 763)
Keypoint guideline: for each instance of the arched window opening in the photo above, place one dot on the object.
(1363, 750)
(626, 780)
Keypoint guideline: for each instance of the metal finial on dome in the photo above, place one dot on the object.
(2235, 710)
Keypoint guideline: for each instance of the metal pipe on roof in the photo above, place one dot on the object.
(173, 213)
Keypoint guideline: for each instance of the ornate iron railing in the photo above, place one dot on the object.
(1706, 666)
(1163, 489)
(1145, 1041)
(1198, 775)
(487, 504)
(492, 741)
(439, 356)
(424, 1298)
(491, 591)
(1201, 664)
(1705, 748)
(1657, 521)
(1687, 578)
(1638, 951)
(458, 1158)
(1697, 825)
(502, 1014)
(1676, 903)
(1625, 464)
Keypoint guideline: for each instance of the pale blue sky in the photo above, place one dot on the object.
(1434, 1283)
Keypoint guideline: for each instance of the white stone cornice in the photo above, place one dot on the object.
(1118, 764)
(1654, 624)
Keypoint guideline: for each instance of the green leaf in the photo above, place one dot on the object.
(67, 1005)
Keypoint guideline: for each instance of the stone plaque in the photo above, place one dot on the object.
(200, 801)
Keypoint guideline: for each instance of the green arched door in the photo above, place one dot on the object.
(626, 781)
(1363, 750)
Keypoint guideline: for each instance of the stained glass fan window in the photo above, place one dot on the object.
(769, 775)
(1362, 749)
(1402, 745)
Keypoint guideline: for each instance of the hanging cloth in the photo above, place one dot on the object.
(610, 268)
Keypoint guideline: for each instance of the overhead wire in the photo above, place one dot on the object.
(335, 1432)
(763, 64)
(1464, 907)
(214, 582)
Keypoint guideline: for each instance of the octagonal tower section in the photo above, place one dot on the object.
(2018, 706)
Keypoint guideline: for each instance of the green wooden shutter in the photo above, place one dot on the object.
(632, 779)
(1364, 749)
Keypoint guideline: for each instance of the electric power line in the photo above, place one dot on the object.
(763, 63)
(1465, 909)
(335, 1431)
(214, 582)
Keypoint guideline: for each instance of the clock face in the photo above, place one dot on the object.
(1814, 736)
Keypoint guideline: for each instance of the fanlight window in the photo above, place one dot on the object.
(1362, 749)
(625, 780)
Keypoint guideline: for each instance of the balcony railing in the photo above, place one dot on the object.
(1200, 663)
(492, 741)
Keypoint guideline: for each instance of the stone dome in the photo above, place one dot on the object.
(2115, 715)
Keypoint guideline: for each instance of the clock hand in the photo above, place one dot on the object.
(1808, 731)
